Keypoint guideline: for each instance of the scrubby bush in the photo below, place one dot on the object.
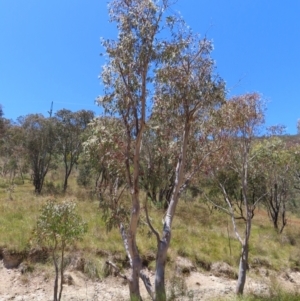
(57, 227)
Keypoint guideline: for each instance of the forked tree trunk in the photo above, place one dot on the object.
(163, 244)
(243, 265)
(245, 243)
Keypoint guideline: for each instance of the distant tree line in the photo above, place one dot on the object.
(35, 144)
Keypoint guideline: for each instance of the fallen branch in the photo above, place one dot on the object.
(108, 262)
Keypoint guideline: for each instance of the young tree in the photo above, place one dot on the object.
(69, 127)
(239, 121)
(57, 227)
(276, 164)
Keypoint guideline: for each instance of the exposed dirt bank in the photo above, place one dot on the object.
(36, 286)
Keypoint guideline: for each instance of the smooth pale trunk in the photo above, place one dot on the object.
(242, 270)
(162, 249)
(163, 244)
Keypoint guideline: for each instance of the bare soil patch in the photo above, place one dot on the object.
(38, 286)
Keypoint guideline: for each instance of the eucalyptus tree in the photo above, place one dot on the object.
(157, 86)
(238, 124)
(104, 152)
(69, 129)
(39, 146)
(127, 81)
(187, 92)
(276, 163)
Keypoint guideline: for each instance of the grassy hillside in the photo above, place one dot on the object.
(200, 233)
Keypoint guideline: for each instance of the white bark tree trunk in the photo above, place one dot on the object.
(164, 242)
(243, 266)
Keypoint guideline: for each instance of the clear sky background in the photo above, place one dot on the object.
(50, 51)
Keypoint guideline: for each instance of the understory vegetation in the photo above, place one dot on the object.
(202, 233)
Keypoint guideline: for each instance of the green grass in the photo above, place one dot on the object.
(202, 235)
(18, 217)
(197, 234)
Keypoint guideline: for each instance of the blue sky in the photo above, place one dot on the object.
(50, 52)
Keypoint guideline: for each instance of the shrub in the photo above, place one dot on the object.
(58, 226)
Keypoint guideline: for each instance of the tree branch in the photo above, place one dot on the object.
(231, 213)
(149, 223)
(108, 262)
(217, 206)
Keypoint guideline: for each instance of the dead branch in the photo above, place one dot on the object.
(108, 262)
